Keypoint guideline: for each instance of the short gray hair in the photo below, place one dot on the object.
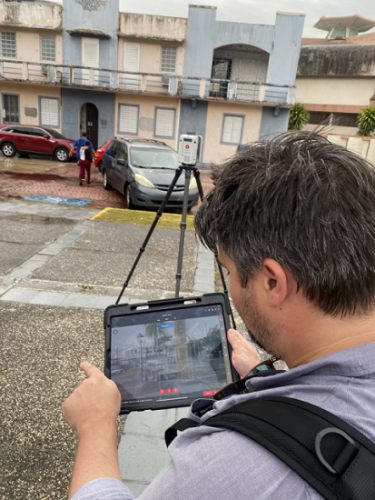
(305, 202)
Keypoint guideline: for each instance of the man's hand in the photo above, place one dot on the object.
(244, 356)
(92, 410)
(95, 402)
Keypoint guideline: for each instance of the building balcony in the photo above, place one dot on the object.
(154, 84)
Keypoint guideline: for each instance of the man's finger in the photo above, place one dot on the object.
(89, 369)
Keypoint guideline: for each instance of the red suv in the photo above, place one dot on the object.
(25, 139)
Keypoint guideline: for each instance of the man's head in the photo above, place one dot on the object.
(305, 203)
(84, 134)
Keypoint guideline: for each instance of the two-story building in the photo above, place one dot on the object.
(84, 66)
(336, 75)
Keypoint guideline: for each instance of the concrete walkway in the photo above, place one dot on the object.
(142, 451)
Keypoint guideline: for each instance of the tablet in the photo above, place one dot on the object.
(167, 353)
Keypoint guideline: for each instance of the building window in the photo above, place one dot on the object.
(168, 59)
(47, 48)
(49, 112)
(232, 129)
(333, 119)
(164, 122)
(8, 44)
(11, 108)
(319, 118)
(344, 119)
(128, 119)
(131, 63)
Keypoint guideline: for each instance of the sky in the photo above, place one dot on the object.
(257, 11)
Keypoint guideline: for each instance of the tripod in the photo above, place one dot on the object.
(189, 170)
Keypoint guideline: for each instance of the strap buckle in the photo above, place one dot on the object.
(343, 458)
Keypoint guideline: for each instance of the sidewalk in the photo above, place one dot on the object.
(37, 298)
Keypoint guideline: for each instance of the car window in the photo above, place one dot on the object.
(21, 130)
(55, 134)
(122, 153)
(113, 149)
(153, 158)
(7, 129)
(37, 132)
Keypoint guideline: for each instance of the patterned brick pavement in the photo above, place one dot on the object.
(63, 181)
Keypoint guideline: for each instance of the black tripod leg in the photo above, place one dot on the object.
(200, 189)
(159, 213)
(225, 289)
(199, 184)
(182, 232)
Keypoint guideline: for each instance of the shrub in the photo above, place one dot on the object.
(298, 117)
(366, 121)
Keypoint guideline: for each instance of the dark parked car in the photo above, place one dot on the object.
(30, 139)
(142, 170)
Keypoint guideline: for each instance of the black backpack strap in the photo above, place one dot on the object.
(329, 454)
(181, 425)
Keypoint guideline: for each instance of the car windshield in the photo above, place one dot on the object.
(153, 158)
(55, 134)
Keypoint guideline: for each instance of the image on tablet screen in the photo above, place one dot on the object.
(166, 355)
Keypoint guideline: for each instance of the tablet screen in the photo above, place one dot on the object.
(169, 355)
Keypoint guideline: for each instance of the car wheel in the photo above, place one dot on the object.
(61, 154)
(129, 203)
(100, 166)
(106, 184)
(8, 149)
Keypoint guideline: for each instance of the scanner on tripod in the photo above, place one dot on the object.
(190, 146)
(189, 149)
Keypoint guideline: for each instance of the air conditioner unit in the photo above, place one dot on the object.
(165, 80)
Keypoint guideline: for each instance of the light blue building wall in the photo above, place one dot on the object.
(82, 20)
(281, 41)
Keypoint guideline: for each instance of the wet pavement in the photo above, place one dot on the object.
(58, 270)
(51, 253)
(22, 177)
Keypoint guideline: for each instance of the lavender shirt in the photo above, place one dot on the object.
(220, 464)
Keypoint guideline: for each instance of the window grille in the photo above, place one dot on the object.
(49, 112)
(47, 48)
(164, 123)
(168, 59)
(128, 119)
(8, 45)
(232, 129)
(11, 107)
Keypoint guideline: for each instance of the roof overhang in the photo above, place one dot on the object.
(360, 23)
(120, 34)
(89, 33)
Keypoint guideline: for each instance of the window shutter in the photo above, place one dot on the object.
(90, 52)
(131, 57)
(128, 119)
(232, 129)
(131, 63)
(49, 109)
(164, 126)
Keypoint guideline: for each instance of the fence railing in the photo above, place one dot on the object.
(148, 83)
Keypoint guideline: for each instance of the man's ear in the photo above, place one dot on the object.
(276, 281)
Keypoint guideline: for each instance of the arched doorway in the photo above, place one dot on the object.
(89, 119)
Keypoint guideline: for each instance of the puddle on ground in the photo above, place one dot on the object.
(37, 219)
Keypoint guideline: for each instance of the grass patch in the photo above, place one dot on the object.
(139, 218)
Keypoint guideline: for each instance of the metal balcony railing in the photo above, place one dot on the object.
(146, 83)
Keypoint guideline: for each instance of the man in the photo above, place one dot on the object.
(79, 143)
(294, 221)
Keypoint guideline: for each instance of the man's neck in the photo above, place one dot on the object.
(322, 335)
